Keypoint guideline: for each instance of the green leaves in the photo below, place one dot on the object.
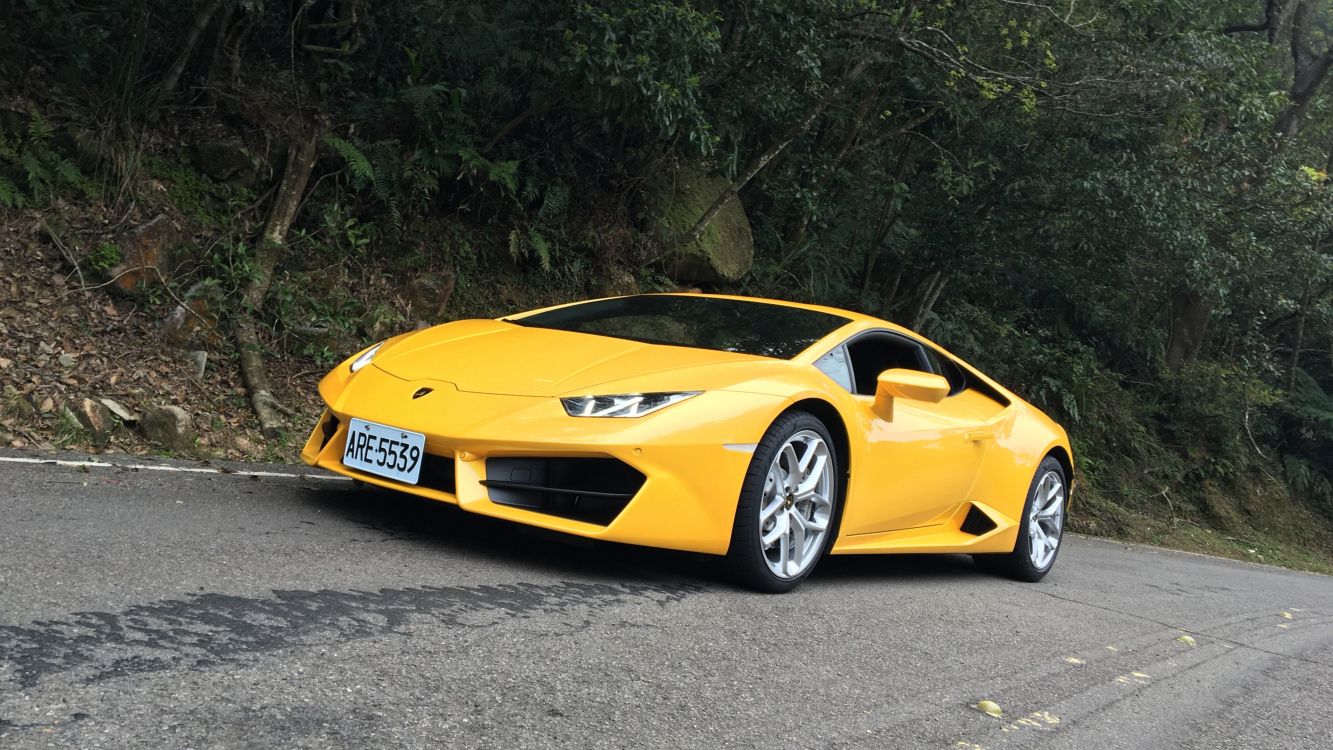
(360, 168)
(641, 65)
(32, 170)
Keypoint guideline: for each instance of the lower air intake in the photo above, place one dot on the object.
(329, 427)
(437, 473)
(592, 490)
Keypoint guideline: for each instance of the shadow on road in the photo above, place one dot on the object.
(895, 569)
(408, 518)
(396, 516)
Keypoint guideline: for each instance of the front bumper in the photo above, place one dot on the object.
(692, 456)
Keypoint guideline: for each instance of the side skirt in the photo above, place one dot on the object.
(958, 534)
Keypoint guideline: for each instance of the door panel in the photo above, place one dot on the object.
(922, 465)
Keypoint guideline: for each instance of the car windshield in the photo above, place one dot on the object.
(730, 325)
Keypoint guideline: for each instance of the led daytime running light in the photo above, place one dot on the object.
(622, 405)
(365, 358)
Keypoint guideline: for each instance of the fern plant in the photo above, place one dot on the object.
(1308, 432)
(32, 170)
(388, 175)
(10, 195)
(526, 241)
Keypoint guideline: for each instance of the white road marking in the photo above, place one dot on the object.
(160, 467)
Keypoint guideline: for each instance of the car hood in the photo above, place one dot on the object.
(491, 356)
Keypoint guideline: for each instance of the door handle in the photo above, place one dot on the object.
(980, 436)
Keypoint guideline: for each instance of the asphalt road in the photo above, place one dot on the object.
(194, 610)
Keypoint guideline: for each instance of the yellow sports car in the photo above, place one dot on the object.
(769, 432)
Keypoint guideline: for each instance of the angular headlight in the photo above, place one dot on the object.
(623, 405)
(365, 357)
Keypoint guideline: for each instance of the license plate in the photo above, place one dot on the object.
(384, 451)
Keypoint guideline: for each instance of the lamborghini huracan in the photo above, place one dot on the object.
(768, 433)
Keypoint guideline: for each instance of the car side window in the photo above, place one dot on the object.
(835, 365)
(872, 354)
(942, 365)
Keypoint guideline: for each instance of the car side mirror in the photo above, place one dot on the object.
(912, 385)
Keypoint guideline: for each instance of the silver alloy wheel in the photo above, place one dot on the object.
(797, 505)
(1046, 520)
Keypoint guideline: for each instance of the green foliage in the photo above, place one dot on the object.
(10, 196)
(483, 171)
(1212, 410)
(529, 241)
(32, 170)
(105, 256)
(362, 172)
(1307, 480)
(642, 63)
(1306, 418)
(205, 201)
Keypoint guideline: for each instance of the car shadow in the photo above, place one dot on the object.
(402, 517)
(895, 569)
(398, 516)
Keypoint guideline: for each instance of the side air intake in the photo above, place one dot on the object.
(977, 522)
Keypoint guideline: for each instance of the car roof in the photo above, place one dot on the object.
(856, 321)
(852, 316)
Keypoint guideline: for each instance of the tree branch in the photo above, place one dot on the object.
(201, 20)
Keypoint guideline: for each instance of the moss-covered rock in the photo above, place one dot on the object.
(146, 256)
(673, 202)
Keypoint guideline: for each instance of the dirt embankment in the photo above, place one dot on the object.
(73, 353)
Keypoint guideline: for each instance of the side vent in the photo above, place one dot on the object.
(977, 522)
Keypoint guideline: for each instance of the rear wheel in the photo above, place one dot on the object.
(788, 502)
(1041, 530)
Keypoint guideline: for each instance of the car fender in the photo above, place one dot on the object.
(1021, 443)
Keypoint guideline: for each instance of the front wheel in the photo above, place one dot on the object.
(788, 501)
(1041, 531)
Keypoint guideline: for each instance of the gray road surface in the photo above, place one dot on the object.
(153, 609)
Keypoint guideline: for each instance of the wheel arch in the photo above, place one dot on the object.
(1061, 453)
(832, 419)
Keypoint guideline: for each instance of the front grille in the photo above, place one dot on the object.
(437, 473)
(592, 490)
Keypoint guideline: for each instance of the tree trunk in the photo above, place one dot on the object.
(762, 159)
(890, 291)
(1309, 68)
(201, 19)
(234, 38)
(1304, 86)
(1190, 314)
(1300, 343)
(215, 57)
(269, 249)
(929, 295)
(1296, 353)
(888, 217)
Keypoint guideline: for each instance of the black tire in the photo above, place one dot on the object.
(1018, 564)
(746, 560)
